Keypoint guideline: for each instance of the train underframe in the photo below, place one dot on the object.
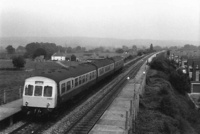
(36, 110)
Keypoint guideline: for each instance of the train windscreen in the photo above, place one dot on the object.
(29, 90)
(38, 91)
(47, 91)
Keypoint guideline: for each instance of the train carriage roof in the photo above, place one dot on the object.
(65, 73)
(117, 58)
(102, 62)
(73, 71)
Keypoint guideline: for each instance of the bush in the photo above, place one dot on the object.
(180, 82)
(163, 91)
(168, 106)
(140, 53)
(161, 65)
(18, 62)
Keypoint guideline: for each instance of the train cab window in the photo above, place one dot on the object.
(76, 82)
(38, 91)
(47, 91)
(68, 85)
(80, 80)
(62, 88)
(29, 90)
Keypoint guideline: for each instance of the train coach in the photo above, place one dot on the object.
(46, 90)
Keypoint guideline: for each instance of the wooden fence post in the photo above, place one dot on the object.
(126, 123)
(20, 92)
(131, 116)
(4, 96)
(134, 122)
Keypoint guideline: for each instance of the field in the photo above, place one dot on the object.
(12, 80)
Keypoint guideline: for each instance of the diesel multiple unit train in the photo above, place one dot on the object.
(46, 90)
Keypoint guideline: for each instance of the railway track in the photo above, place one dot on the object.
(82, 123)
(86, 119)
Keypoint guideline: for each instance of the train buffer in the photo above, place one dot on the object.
(7, 111)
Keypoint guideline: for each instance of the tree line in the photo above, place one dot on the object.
(34, 49)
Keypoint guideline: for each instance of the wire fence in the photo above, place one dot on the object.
(7, 96)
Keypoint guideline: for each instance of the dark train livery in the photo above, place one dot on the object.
(47, 90)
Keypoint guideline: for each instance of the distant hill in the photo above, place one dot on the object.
(91, 42)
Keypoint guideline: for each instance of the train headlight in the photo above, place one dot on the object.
(48, 105)
(184, 71)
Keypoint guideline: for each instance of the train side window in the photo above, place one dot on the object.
(68, 85)
(63, 88)
(29, 90)
(47, 91)
(83, 78)
(76, 82)
(90, 76)
(38, 91)
(86, 78)
(94, 74)
(80, 80)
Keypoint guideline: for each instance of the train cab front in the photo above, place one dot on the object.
(39, 96)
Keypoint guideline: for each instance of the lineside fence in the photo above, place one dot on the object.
(7, 96)
(138, 84)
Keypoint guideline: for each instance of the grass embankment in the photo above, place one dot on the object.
(164, 109)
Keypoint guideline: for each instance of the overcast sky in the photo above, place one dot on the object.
(125, 19)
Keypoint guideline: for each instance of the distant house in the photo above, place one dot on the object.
(59, 56)
(194, 74)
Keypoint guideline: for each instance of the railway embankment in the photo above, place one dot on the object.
(165, 107)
